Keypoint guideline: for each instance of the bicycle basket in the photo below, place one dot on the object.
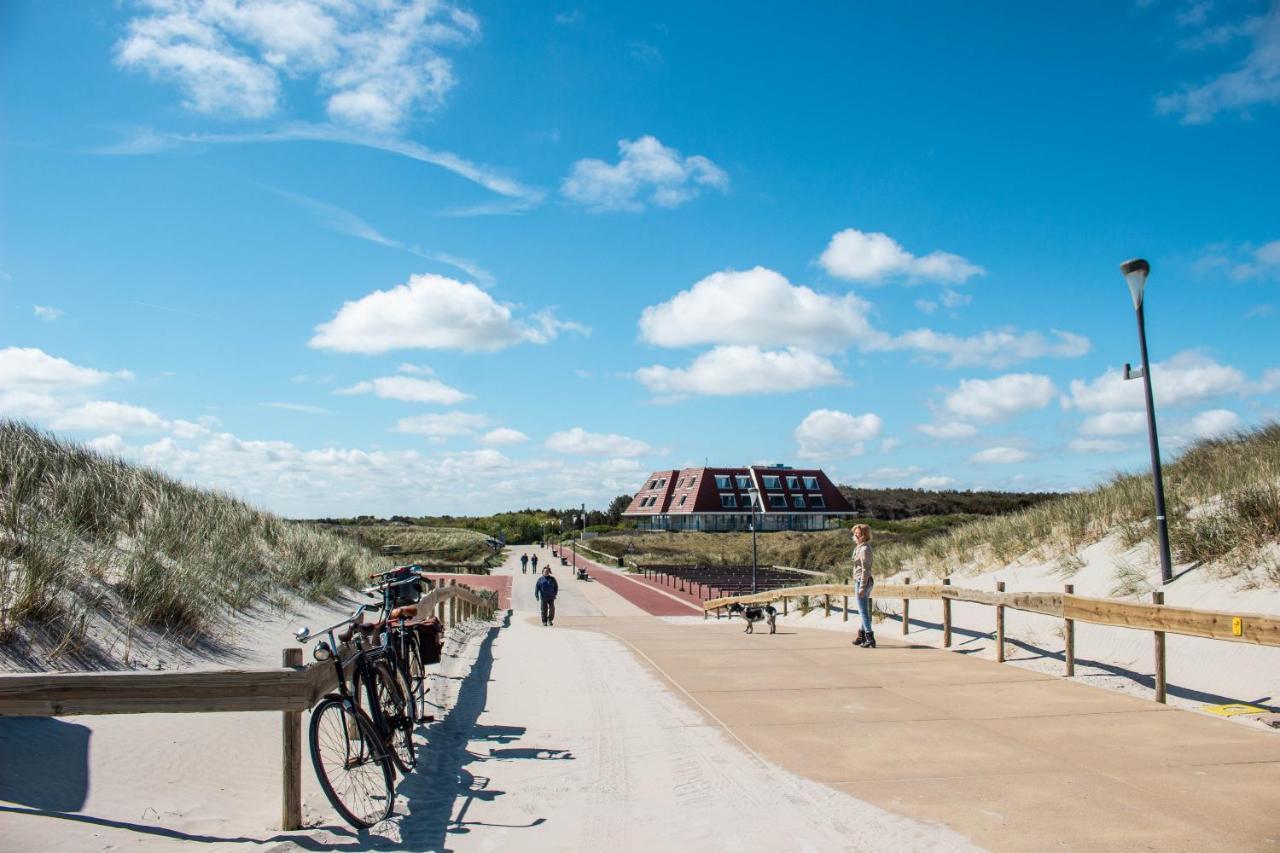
(409, 593)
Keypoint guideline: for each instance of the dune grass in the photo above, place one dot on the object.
(431, 546)
(80, 530)
(1223, 503)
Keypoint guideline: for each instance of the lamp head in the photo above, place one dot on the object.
(1135, 275)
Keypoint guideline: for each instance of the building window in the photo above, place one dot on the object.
(778, 501)
(811, 483)
(683, 498)
(817, 502)
(772, 482)
(797, 501)
(662, 482)
(653, 484)
(723, 481)
(728, 502)
(744, 482)
(793, 483)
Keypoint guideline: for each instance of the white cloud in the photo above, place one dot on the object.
(889, 445)
(935, 482)
(107, 415)
(994, 400)
(35, 370)
(1096, 445)
(1241, 263)
(375, 64)
(1214, 423)
(1253, 82)
(873, 257)
(728, 370)
(503, 436)
(1187, 378)
(1114, 423)
(756, 307)
(580, 442)
(1000, 456)
(111, 445)
(826, 433)
(647, 172)
(303, 408)
(948, 429)
(48, 312)
(432, 312)
(996, 349)
(885, 476)
(408, 388)
(443, 426)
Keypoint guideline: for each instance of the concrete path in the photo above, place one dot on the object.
(1012, 759)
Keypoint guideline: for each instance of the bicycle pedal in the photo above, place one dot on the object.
(427, 718)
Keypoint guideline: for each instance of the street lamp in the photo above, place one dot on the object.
(1135, 275)
(754, 496)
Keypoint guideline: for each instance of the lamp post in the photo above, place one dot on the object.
(1135, 274)
(755, 500)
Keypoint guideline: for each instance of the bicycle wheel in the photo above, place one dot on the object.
(395, 712)
(353, 767)
(417, 675)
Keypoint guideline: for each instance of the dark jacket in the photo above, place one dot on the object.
(546, 588)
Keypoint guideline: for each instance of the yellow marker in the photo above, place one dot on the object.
(1233, 709)
(1237, 629)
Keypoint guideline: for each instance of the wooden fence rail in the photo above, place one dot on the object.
(1254, 628)
(291, 689)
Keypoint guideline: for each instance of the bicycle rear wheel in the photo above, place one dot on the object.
(353, 766)
(395, 711)
(417, 675)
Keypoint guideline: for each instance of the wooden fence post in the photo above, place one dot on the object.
(826, 605)
(906, 610)
(846, 609)
(1069, 635)
(999, 626)
(291, 756)
(946, 617)
(785, 599)
(1157, 597)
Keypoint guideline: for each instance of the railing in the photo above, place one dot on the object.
(291, 688)
(1158, 617)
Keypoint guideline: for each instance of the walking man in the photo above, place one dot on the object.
(524, 563)
(545, 591)
(533, 562)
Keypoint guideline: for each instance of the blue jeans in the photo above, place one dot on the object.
(864, 608)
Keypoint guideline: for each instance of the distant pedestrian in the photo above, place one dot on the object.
(545, 590)
(863, 582)
(533, 562)
(524, 563)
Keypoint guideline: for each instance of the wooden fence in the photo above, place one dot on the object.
(1158, 617)
(292, 689)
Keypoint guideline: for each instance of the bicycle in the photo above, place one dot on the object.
(354, 750)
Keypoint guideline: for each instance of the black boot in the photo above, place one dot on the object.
(861, 638)
(871, 641)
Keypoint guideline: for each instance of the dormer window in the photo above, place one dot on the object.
(793, 483)
(777, 501)
(724, 481)
(772, 482)
(728, 502)
(797, 501)
(744, 482)
(817, 502)
(811, 484)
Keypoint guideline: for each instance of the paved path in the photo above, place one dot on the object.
(1012, 759)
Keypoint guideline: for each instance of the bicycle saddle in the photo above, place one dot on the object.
(407, 612)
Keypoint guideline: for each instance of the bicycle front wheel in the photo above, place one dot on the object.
(352, 763)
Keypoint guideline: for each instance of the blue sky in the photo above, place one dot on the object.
(429, 258)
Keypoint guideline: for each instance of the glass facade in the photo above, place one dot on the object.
(733, 522)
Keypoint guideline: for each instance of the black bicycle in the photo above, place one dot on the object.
(360, 734)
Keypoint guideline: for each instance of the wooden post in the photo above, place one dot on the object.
(1157, 597)
(906, 610)
(784, 605)
(946, 617)
(453, 606)
(291, 757)
(846, 609)
(1069, 635)
(826, 605)
(999, 626)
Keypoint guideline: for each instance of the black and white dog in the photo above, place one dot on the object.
(754, 613)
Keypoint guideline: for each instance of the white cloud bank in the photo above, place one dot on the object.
(826, 433)
(874, 257)
(374, 64)
(999, 399)
(730, 370)
(408, 388)
(647, 172)
(579, 442)
(433, 312)
(1000, 456)
(1253, 82)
